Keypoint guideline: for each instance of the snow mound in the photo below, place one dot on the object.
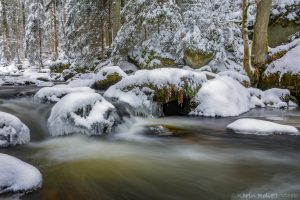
(87, 113)
(108, 76)
(260, 127)
(222, 97)
(12, 131)
(54, 94)
(147, 87)
(18, 176)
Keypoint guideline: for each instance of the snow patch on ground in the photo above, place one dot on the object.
(87, 113)
(260, 127)
(12, 131)
(18, 176)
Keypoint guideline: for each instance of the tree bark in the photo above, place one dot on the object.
(116, 17)
(246, 61)
(5, 29)
(259, 54)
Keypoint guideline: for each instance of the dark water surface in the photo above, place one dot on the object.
(180, 158)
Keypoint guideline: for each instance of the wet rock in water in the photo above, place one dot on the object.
(87, 113)
(147, 90)
(108, 76)
(12, 131)
(18, 176)
(54, 94)
(197, 59)
(260, 127)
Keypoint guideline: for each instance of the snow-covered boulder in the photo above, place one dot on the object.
(260, 127)
(18, 176)
(222, 97)
(108, 76)
(146, 88)
(87, 113)
(12, 131)
(54, 94)
(82, 80)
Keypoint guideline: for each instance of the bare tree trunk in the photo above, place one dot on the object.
(109, 24)
(24, 25)
(54, 29)
(116, 17)
(5, 29)
(16, 31)
(260, 39)
(246, 61)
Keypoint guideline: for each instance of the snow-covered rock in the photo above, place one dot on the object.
(147, 87)
(260, 127)
(276, 97)
(108, 76)
(18, 176)
(87, 113)
(54, 94)
(289, 63)
(222, 97)
(82, 80)
(12, 131)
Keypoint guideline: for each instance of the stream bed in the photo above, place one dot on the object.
(176, 157)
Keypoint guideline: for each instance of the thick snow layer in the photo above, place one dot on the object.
(106, 71)
(18, 176)
(12, 131)
(260, 127)
(222, 97)
(87, 113)
(134, 91)
(54, 94)
(289, 63)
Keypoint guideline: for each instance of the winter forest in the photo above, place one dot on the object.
(150, 99)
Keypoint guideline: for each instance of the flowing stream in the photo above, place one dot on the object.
(165, 158)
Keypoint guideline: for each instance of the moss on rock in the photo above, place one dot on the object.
(110, 80)
(285, 81)
(197, 59)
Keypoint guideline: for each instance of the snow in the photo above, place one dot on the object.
(274, 97)
(236, 76)
(222, 97)
(289, 63)
(12, 131)
(87, 113)
(18, 176)
(82, 80)
(54, 94)
(260, 127)
(134, 89)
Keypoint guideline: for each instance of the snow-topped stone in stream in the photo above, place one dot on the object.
(108, 76)
(87, 113)
(222, 97)
(159, 85)
(12, 131)
(54, 94)
(260, 127)
(18, 176)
